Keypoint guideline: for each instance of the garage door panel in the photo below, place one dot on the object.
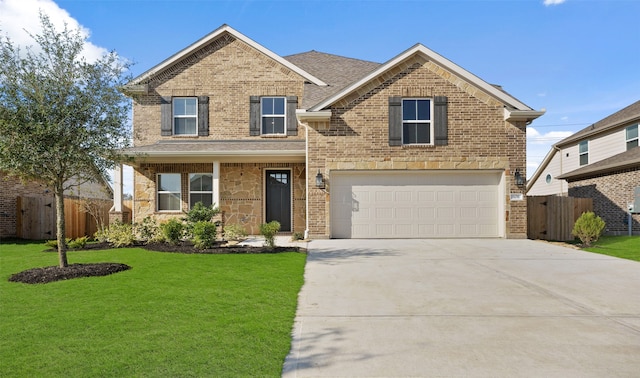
(414, 204)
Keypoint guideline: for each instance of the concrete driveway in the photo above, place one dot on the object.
(465, 308)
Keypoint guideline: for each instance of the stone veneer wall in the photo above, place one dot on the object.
(241, 192)
(357, 138)
(611, 194)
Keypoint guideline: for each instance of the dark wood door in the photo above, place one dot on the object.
(278, 206)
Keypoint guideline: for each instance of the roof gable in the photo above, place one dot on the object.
(430, 55)
(209, 38)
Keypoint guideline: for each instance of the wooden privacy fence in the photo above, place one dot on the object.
(553, 217)
(36, 217)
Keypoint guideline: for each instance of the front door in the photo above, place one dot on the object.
(278, 198)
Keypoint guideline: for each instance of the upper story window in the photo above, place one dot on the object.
(632, 137)
(200, 189)
(417, 127)
(583, 149)
(169, 192)
(273, 115)
(185, 116)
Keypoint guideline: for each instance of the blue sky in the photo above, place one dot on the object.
(578, 59)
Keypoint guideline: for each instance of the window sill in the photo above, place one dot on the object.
(185, 136)
(418, 146)
(273, 136)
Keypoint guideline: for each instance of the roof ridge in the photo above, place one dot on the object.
(330, 54)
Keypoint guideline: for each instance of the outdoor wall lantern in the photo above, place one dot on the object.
(518, 177)
(319, 180)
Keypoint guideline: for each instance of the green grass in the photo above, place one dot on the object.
(172, 315)
(626, 247)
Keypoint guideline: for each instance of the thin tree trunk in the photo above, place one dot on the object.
(62, 240)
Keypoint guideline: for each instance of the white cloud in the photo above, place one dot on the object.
(553, 2)
(18, 18)
(551, 137)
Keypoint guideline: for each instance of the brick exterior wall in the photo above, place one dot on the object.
(228, 71)
(242, 192)
(611, 194)
(357, 138)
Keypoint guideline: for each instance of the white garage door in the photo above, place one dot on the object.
(415, 204)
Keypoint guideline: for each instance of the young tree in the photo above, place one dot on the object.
(61, 117)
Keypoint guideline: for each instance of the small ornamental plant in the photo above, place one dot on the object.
(588, 228)
(172, 230)
(234, 232)
(204, 234)
(269, 231)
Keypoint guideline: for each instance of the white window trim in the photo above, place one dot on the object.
(430, 121)
(174, 116)
(283, 116)
(583, 153)
(158, 192)
(201, 191)
(637, 138)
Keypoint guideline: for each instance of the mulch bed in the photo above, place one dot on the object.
(55, 273)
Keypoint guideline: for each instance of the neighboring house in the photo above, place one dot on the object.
(11, 188)
(327, 145)
(601, 162)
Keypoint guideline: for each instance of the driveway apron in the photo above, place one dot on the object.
(465, 308)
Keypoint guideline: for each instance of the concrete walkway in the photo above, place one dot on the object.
(465, 308)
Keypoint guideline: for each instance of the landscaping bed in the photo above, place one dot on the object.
(56, 273)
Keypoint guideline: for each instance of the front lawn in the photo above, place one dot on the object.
(170, 315)
(626, 247)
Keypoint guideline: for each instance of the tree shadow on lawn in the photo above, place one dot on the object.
(56, 273)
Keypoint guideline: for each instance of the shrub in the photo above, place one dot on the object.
(118, 234)
(148, 230)
(201, 213)
(172, 230)
(234, 232)
(204, 234)
(78, 243)
(297, 236)
(588, 228)
(269, 231)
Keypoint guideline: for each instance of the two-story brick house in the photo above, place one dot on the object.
(328, 145)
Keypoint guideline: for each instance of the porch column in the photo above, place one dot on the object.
(117, 190)
(115, 214)
(216, 183)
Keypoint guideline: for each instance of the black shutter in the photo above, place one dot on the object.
(395, 121)
(166, 116)
(203, 116)
(440, 120)
(292, 121)
(254, 115)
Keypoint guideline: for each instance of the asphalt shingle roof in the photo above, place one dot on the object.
(335, 70)
(219, 146)
(630, 113)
